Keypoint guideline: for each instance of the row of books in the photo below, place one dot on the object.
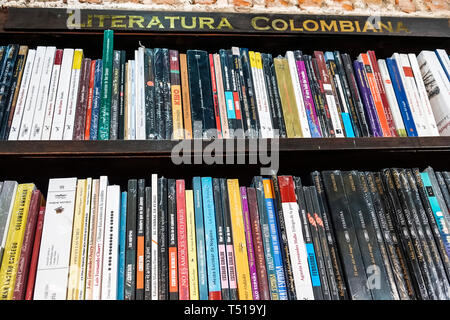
(349, 235)
(58, 94)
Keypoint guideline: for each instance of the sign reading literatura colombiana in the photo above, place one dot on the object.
(151, 21)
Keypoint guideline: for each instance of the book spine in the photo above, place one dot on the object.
(122, 93)
(182, 241)
(221, 96)
(212, 255)
(186, 97)
(242, 89)
(266, 62)
(111, 254)
(137, 96)
(148, 245)
(90, 259)
(200, 237)
(132, 121)
(167, 114)
(172, 203)
(163, 284)
(140, 239)
(15, 239)
(221, 242)
(401, 98)
(155, 244)
(444, 60)
(115, 96)
(21, 98)
(277, 101)
(249, 242)
(106, 86)
(251, 91)
(215, 96)
(175, 86)
(234, 91)
(159, 93)
(80, 113)
(191, 246)
(69, 120)
(96, 100)
(7, 77)
(90, 100)
(27, 246)
(8, 194)
(275, 240)
(240, 248)
(52, 276)
(85, 240)
(149, 87)
(122, 246)
(35, 255)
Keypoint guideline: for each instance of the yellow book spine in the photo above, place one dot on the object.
(177, 112)
(192, 246)
(258, 60)
(14, 240)
(251, 55)
(77, 57)
(239, 243)
(77, 232)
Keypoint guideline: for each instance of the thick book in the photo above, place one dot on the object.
(220, 96)
(82, 100)
(90, 259)
(130, 251)
(186, 99)
(122, 245)
(167, 114)
(104, 117)
(172, 204)
(233, 121)
(250, 91)
(181, 239)
(200, 239)
(115, 97)
(90, 101)
(140, 239)
(7, 196)
(149, 92)
(52, 276)
(234, 82)
(191, 246)
(267, 61)
(15, 240)
(215, 96)
(175, 87)
(242, 90)
(96, 100)
(160, 128)
(7, 78)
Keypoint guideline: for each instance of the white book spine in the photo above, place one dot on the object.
(62, 96)
(263, 109)
(297, 249)
(265, 99)
(155, 247)
(437, 90)
(111, 252)
(422, 93)
(73, 95)
(54, 254)
(22, 97)
(39, 113)
(221, 97)
(85, 240)
(258, 102)
(51, 101)
(298, 95)
(139, 97)
(100, 240)
(33, 91)
(390, 93)
(132, 105)
(332, 107)
(445, 61)
(91, 239)
(142, 82)
(128, 101)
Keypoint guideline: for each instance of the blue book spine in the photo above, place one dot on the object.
(278, 261)
(200, 238)
(400, 94)
(212, 252)
(96, 99)
(437, 212)
(122, 245)
(314, 271)
(372, 117)
(447, 72)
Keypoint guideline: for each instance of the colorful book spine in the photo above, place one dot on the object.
(115, 96)
(140, 239)
(200, 237)
(187, 122)
(7, 197)
(69, 121)
(182, 238)
(215, 96)
(175, 87)
(172, 223)
(212, 254)
(191, 246)
(155, 244)
(130, 249)
(96, 101)
(149, 88)
(90, 100)
(163, 283)
(122, 245)
(106, 86)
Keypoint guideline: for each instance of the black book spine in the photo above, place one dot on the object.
(148, 245)
(172, 235)
(443, 187)
(439, 195)
(251, 94)
(159, 93)
(361, 116)
(347, 94)
(163, 284)
(288, 275)
(149, 78)
(233, 83)
(7, 77)
(376, 274)
(422, 249)
(327, 263)
(336, 278)
(167, 110)
(267, 61)
(240, 86)
(432, 222)
(277, 101)
(140, 233)
(121, 120)
(114, 121)
(221, 242)
(130, 252)
(414, 251)
(233, 122)
(373, 204)
(194, 91)
(423, 227)
(206, 97)
(233, 294)
(352, 262)
(396, 256)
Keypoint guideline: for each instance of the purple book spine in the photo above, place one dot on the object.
(367, 99)
(249, 241)
(309, 102)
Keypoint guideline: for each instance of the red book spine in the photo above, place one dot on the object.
(215, 96)
(258, 245)
(183, 267)
(324, 81)
(382, 91)
(80, 112)
(87, 127)
(27, 246)
(35, 254)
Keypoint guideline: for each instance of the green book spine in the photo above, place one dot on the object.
(105, 107)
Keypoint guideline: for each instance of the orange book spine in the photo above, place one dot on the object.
(87, 127)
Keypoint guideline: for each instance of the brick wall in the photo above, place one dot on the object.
(428, 8)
